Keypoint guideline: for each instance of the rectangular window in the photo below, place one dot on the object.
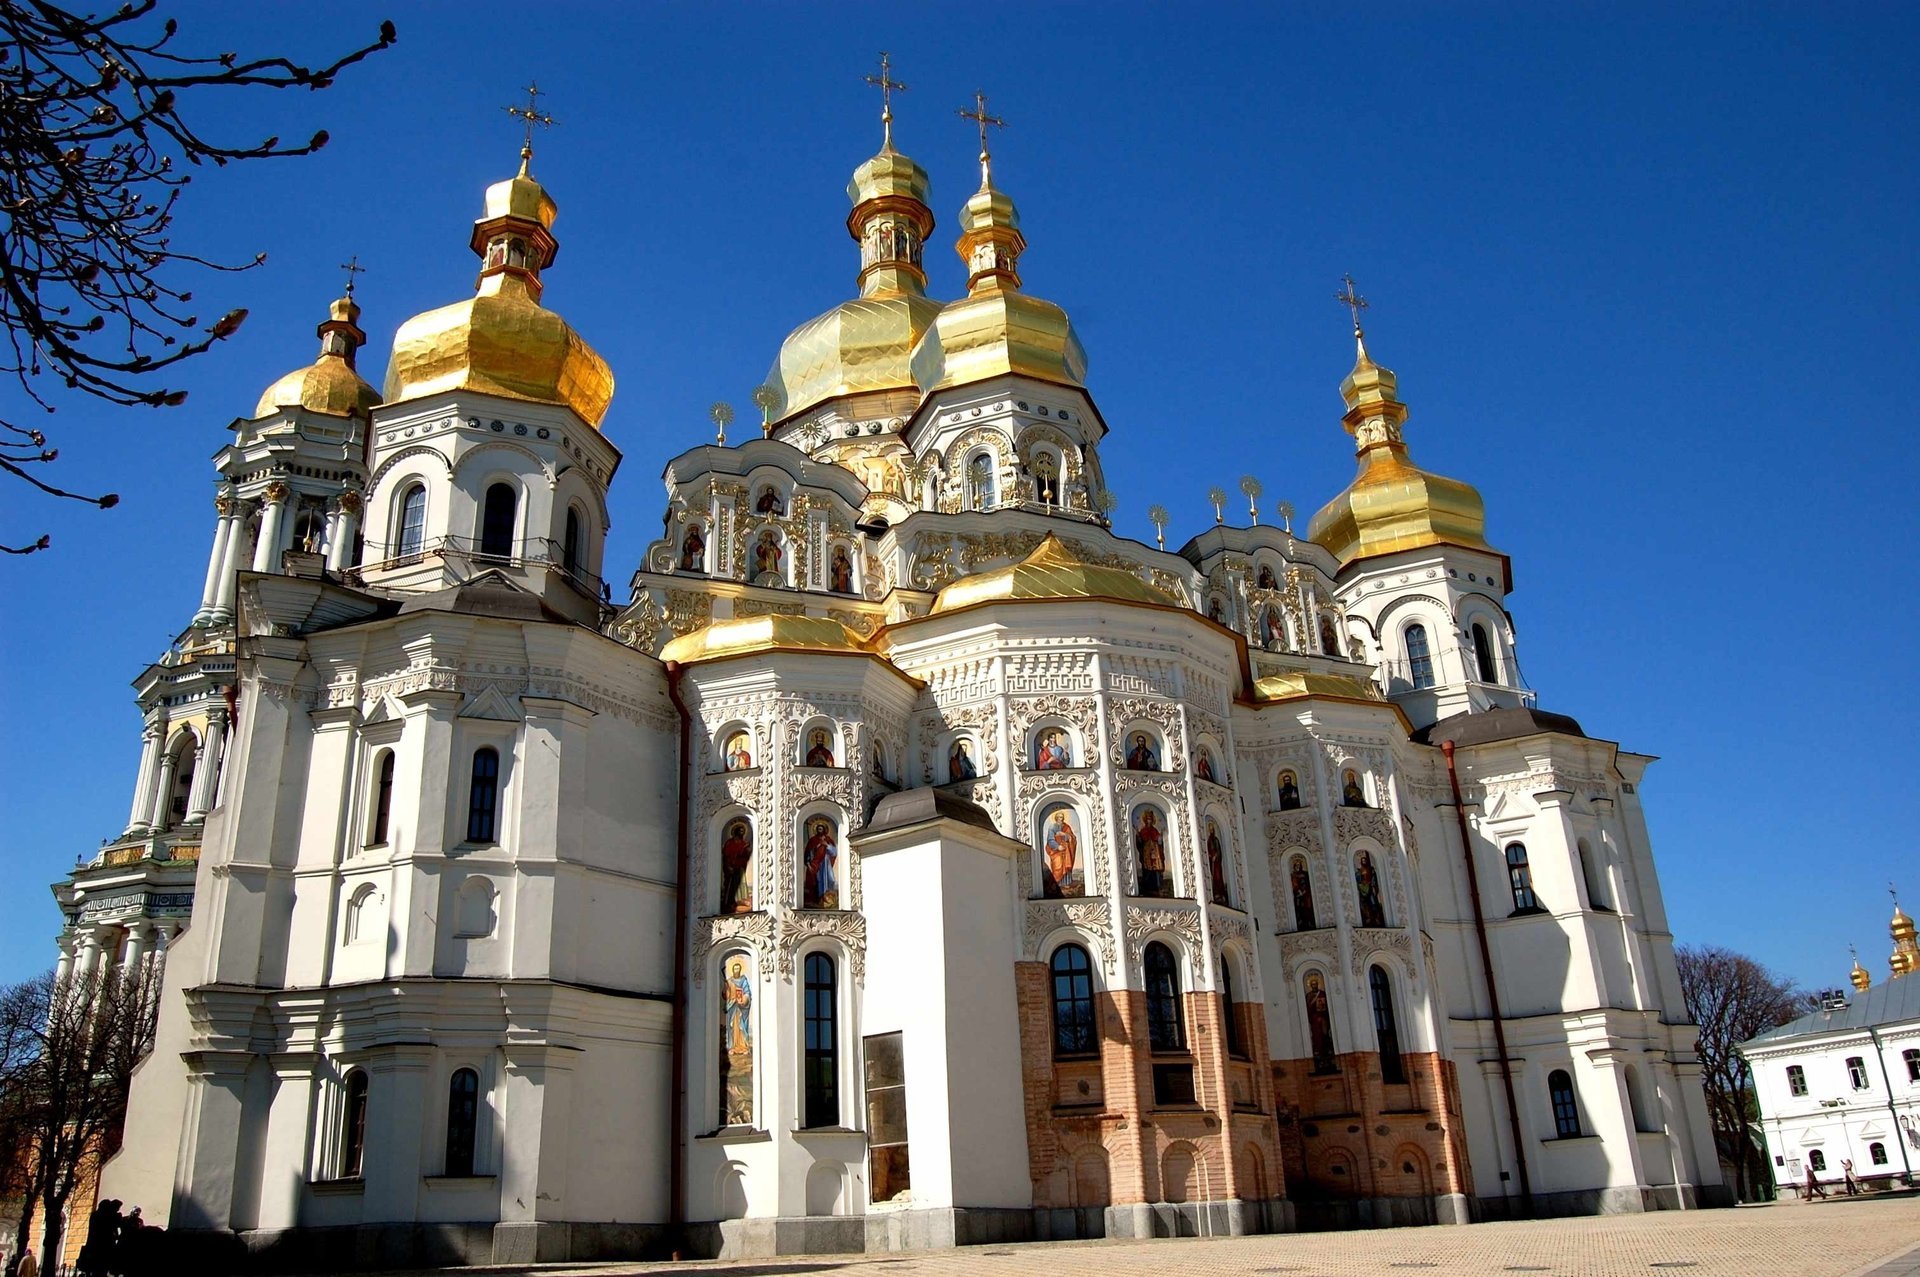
(1857, 1072)
(1173, 1084)
(822, 1062)
(887, 1116)
(1796, 1079)
(1913, 1065)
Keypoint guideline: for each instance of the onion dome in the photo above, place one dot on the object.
(502, 341)
(1391, 504)
(1859, 977)
(996, 328)
(751, 635)
(329, 384)
(865, 344)
(1906, 952)
(1052, 572)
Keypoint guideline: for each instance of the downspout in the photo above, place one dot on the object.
(1493, 989)
(1893, 1109)
(677, 1120)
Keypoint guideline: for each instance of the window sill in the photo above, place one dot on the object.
(828, 1132)
(338, 1187)
(735, 1135)
(1078, 1057)
(1569, 1139)
(1530, 911)
(453, 1183)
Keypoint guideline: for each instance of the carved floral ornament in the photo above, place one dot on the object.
(1144, 924)
(1089, 919)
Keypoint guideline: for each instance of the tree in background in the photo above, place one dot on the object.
(68, 1047)
(1733, 998)
(95, 125)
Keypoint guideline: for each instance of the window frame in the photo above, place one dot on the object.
(487, 833)
(1485, 658)
(820, 1041)
(352, 1161)
(573, 542)
(1520, 880)
(1857, 1073)
(1166, 1021)
(1565, 1101)
(410, 532)
(1386, 1027)
(1235, 1037)
(380, 822)
(496, 541)
(1079, 1002)
(975, 500)
(462, 1146)
(1912, 1057)
(1796, 1080)
(1420, 662)
(1877, 1153)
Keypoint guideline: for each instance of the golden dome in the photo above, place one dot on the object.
(1299, 683)
(1391, 504)
(329, 384)
(1859, 977)
(1906, 951)
(996, 328)
(866, 344)
(747, 635)
(1052, 571)
(502, 341)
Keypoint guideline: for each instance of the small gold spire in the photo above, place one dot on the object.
(1906, 949)
(532, 115)
(1859, 977)
(979, 116)
(886, 84)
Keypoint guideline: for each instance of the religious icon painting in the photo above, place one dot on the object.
(881, 771)
(1143, 753)
(1273, 631)
(1366, 885)
(736, 866)
(769, 502)
(693, 549)
(840, 570)
(819, 748)
(736, 1042)
(1329, 637)
(1051, 752)
(738, 752)
(1320, 1024)
(766, 555)
(960, 764)
(820, 855)
(1300, 882)
(1203, 767)
(1060, 852)
(1289, 791)
(1351, 794)
(1265, 580)
(1150, 850)
(1216, 864)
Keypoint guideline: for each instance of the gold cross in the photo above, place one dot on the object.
(532, 114)
(886, 84)
(353, 267)
(979, 116)
(1352, 300)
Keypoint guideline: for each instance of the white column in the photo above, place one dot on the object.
(89, 953)
(136, 946)
(266, 554)
(206, 768)
(64, 967)
(143, 781)
(229, 581)
(162, 795)
(344, 527)
(223, 532)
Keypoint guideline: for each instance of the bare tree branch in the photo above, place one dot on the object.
(93, 133)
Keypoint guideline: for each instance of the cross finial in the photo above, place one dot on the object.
(979, 116)
(353, 267)
(886, 84)
(1353, 301)
(531, 114)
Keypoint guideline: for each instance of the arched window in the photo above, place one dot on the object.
(182, 794)
(822, 1063)
(1566, 1111)
(1877, 1154)
(1074, 1030)
(353, 1126)
(1520, 877)
(570, 543)
(382, 800)
(1483, 654)
(980, 495)
(463, 1120)
(1816, 1160)
(1419, 656)
(496, 521)
(1385, 1028)
(483, 796)
(1236, 1041)
(1166, 1028)
(359, 911)
(413, 521)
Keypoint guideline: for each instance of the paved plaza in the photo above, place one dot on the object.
(1842, 1238)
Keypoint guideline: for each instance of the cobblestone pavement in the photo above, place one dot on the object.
(1840, 1238)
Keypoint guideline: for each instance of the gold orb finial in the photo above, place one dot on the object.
(1217, 497)
(1157, 516)
(1251, 489)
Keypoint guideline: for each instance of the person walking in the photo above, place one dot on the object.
(1846, 1170)
(1814, 1188)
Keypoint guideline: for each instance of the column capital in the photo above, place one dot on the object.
(277, 491)
(349, 501)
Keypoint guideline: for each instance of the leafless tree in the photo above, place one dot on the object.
(68, 1047)
(1733, 998)
(95, 127)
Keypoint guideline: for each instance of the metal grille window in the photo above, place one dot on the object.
(1419, 656)
(1566, 1111)
(413, 521)
(353, 1127)
(1796, 1080)
(1386, 1031)
(1520, 877)
(1074, 1031)
(483, 796)
(822, 1062)
(463, 1120)
(1165, 1028)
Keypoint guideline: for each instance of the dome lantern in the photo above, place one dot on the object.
(330, 384)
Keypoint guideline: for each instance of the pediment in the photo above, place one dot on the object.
(491, 703)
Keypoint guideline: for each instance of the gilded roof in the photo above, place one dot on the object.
(863, 344)
(746, 635)
(995, 331)
(327, 385)
(500, 342)
(1291, 686)
(1052, 571)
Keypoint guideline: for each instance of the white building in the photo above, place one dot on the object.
(1842, 1084)
(912, 860)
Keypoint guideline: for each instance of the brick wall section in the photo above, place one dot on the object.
(1350, 1134)
(1084, 1116)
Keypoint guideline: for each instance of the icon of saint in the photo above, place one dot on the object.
(736, 856)
(1216, 865)
(739, 753)
(822, 854)
(1203, 765)
(1052, 755)
(693, 549)
(1351, 795)
(768, 502)
(1266, 581)
(1062, 850)
(1142, 756)
(766, 554)
(1366, 883)
(1150, 844)
(1289, 792)
(819, 748)
(1273, 633)
(842, 571)
(1320, 1025)
(1302, 884)
(960, 761)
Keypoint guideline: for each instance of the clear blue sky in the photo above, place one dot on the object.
(1648, 279)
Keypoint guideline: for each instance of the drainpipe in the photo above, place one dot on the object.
(1493, 989)
(1893, 1110)
(677, 1140)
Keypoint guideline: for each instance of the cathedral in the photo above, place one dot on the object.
(910, 860)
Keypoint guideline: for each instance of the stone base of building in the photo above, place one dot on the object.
(1631, 1200)
(373, 1247)
(1382, 1212)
